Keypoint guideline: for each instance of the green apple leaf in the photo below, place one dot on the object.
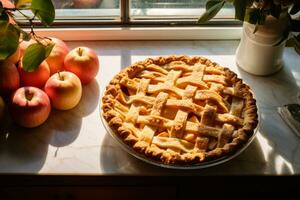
(214, 7)
(49, 48)
(9, 41)
(34, 55)
(22, 3)
(44, 10)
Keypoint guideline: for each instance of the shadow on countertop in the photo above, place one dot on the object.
(89, 100)
(67, 124)
(271, 92)
(24, 150)
(113, 159)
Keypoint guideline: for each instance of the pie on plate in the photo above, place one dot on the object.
(180, 110)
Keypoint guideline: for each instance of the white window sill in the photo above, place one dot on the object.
(143, 33)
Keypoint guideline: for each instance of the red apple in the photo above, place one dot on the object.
(15, 57)
(36, 78)
(30, 107)
(83, 62)
(2, 108)
(64, 90)
(86, 3)
(56, 58)
(9, 78)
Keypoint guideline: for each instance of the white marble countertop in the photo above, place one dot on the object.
(75, 141)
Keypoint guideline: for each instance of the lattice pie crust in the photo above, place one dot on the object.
(180, 109)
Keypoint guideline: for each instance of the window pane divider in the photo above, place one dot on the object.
(125, 12)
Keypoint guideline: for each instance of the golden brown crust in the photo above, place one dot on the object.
(116, 120)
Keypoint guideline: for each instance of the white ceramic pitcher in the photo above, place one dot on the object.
(260, 53)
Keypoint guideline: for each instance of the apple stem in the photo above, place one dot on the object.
(80, 51)
(60, 77)
(28, 95)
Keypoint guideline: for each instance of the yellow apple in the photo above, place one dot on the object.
(64, 89)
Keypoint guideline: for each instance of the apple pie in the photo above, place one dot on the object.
(180, 109)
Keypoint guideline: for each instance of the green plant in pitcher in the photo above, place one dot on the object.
(256, 11)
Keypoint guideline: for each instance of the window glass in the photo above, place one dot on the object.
(173, 8)
(87, 12)
(86, 9)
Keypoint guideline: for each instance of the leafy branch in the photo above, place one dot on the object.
(11, 33)
(255, 12)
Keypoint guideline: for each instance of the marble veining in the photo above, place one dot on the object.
(75, 141)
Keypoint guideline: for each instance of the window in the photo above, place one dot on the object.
(138, 20)
(87, 10)
(172, 11)
(134, 12)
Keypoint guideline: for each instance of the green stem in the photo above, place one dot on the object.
(27, 17)
(60, 77)
(80, 51)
